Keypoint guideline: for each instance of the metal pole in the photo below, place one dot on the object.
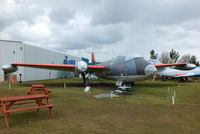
(173, 102)
(64, 85)
(174, 93)
(9, 86)
(20, 78)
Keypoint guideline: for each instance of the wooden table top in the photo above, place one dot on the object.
(28, 97)
(38, 86)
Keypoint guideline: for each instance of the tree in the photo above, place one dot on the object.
(164, 58)
(153, 55)
(185, 58)
(173, 55)
(189, 59)
(194, 60)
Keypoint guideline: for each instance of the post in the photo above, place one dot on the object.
(9, 86)
(111, 94)
(5, 76)
(20, 75)
(64, 85)
(174, 93)
(168, 89)
(173, 102)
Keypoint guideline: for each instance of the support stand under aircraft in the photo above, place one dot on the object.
(123, 88)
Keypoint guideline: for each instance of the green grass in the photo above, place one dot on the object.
(147, 111)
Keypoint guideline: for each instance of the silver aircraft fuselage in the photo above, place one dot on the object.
(128, 69)
(170, 72)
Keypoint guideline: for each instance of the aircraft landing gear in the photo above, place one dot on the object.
(183, 79)
(163, 78)
(85, 77)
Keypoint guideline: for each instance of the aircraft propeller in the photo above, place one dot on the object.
(151, 71)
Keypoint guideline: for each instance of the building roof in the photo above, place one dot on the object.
(11, 41)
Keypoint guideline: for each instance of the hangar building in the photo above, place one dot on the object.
(19, 52)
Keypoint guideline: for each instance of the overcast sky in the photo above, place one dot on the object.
(108, 27)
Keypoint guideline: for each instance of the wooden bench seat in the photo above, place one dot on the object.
(31, 108)
(17, 98)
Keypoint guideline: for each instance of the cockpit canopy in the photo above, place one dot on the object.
(133, 56)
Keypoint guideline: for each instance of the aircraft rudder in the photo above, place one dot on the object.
(93, 59)
(155, 61)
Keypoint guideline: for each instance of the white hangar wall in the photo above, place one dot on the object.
(19, 52)
(10, 52)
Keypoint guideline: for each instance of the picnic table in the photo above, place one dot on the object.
(7, 102)
(38, 89)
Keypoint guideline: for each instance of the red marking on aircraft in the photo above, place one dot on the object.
(167, 65)
(121, 68)
(43, 65)
(96, 67)
(93, 57)
(51, 65)
(181, 74)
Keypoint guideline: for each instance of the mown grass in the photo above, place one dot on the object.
(148, 111)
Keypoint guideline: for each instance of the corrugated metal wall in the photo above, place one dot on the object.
(10, 52)
(38, 55)
(18, 52)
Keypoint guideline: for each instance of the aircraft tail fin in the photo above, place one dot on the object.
(155, 61)
(93, 59)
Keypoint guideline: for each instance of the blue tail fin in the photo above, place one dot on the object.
(155, 61)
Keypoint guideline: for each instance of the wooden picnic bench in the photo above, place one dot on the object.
(38, 89)
(7, 102)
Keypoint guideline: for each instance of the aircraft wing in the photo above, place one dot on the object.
(168, 65)
(93, 68)
(181, 66)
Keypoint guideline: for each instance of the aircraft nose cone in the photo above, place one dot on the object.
(150, 70)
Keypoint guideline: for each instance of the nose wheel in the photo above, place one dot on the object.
(85, 77)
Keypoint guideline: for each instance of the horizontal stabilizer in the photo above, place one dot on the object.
(168, 65)
(159, 64)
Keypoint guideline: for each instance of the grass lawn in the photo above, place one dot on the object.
(148, 110)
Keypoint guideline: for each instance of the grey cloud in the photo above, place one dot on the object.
(92, 36)
(5, 21)
(61, 15)
(111, 12)
(70, 5)
(111, 27)
(147, 12)
(19, 12)
(28, 13)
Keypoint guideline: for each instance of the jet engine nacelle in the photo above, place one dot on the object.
(81, 67)
(186, 67)
(9, 68)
